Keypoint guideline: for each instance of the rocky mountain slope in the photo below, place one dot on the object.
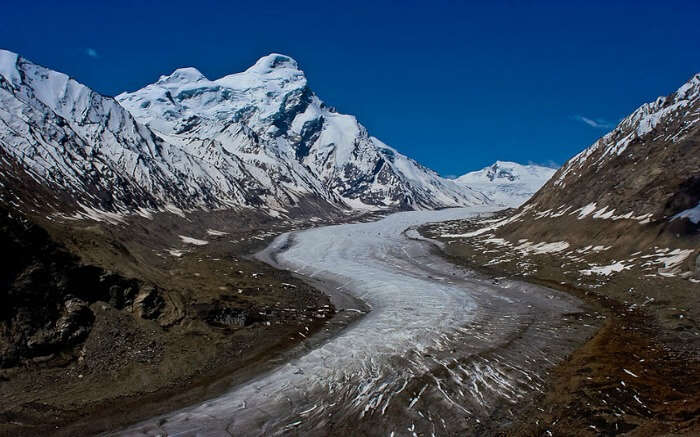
(617, 226)
(258, 139)
(629, 200)
(508, 183)
(648, 167)
(46, 293)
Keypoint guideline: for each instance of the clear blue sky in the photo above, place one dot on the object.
(452, 84)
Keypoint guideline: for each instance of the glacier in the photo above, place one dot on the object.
(439, 350)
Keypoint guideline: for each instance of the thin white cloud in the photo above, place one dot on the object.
(597, 123)
(92, 53)
(548, 163)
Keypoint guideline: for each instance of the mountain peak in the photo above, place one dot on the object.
(273, 68)
(186, 74)
(274, 61)
(505, 164)
(506, 182)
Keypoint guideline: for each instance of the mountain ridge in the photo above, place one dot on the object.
(272, 100)
(647, 166)
(256, 139)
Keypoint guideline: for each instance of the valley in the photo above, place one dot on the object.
(639, 373)
(439, 349)
(191, 315)
(234, 256)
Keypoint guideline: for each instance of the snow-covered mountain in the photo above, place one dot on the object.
(70, 138)
(269, 117)
(648, 166)
(507, 183)
(621, 216)
(260, 138)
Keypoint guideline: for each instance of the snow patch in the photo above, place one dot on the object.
(668, 261)
(606, 270)
(586, 210)
(98, 215)
(216, 233)
(491, 227)
(195, 241)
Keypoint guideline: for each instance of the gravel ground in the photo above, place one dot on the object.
(639, 374)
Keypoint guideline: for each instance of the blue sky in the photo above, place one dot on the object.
(455, 85)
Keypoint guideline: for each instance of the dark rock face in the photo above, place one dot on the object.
(496, 172)
(226, 315)
(149, 303)
(73, 325)
(45, 293)
(309, 134)
(292, 105)
(686, 196)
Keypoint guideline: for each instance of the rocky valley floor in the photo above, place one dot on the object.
(442, 351)
(487, 354)
(639, 374)
(188, 314)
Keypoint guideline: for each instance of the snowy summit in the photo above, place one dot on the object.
(508, 183)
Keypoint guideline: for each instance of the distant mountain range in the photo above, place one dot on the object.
(507, 183)
(257, 139)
